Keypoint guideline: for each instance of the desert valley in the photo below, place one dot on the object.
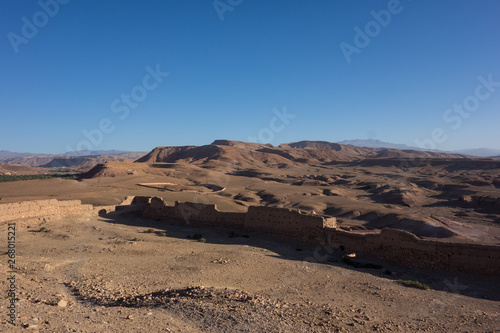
(249, 166)
(232, 236)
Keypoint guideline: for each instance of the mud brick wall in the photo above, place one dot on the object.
(42, 208)
(404, 248)
(287, 223)
(392, 245)
(277, 221)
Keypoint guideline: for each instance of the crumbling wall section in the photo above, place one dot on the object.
(392, 245)
(285, 222)
(42, 208)
(193, 213)
(276, 221)
(404, 248)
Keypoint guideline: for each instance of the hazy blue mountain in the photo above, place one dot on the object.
(483, 152)
(96, 152)
(84, 158)
(371, 143)
(10, 154)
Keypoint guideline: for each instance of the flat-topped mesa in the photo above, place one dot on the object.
(239, 154)
(241, 144)
(314, 145)
(226, 143)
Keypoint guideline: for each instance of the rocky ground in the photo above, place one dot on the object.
(128, 274)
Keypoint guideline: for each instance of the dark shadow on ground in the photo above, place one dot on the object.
(453, 282)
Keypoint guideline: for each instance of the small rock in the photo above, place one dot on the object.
(130, 317)
(62, 303)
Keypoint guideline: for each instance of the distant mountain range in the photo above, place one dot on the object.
(79, 159)
(483, 152)
(241, 152)
(9, 154)
(97, 152)
(371, 143)
(241, 155)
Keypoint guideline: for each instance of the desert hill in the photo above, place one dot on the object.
(372, 143)
(324, 145)
(10, 154)
(19, 169)
(68, 160)
(430, 194)
(369, 152)
(253, 155)
(254, 152)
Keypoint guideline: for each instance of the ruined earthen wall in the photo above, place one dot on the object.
(277, 221)
(392, 245)
(42, 208)
(285, 222)
(404, 248)
(397, 246)
(193, 213)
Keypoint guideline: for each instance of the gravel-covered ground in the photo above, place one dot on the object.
(111, 275)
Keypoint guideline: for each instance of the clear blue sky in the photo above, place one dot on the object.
(225, 77)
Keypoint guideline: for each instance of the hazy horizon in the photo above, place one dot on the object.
(345, 142)
(132, 76)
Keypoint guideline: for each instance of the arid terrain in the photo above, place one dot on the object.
(109, 274)
(429, 194)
